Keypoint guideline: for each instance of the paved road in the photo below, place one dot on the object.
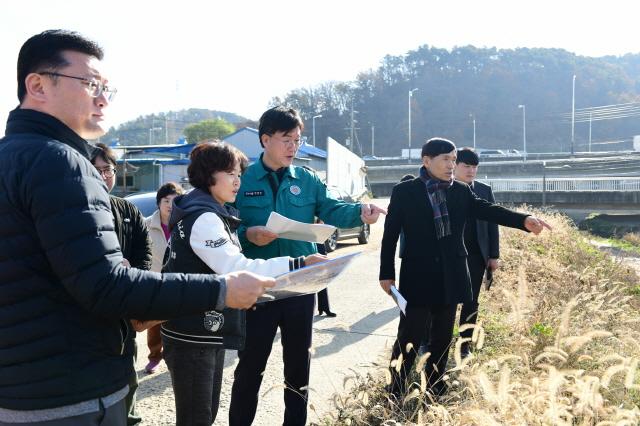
(361, 333)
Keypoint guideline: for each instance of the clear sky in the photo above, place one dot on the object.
(235, 55)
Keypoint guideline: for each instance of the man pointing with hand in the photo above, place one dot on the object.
(432, 211)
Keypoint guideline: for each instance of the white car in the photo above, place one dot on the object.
(360, 232)
(144, 201)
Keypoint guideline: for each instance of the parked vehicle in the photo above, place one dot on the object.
(144, 201)
(492, 153)
(360, 232)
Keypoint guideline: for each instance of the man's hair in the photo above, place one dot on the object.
(278, 119)
(43, 52)
(105, 153)
(436, 146)
(467, 156)
(407, 177)
(169, 188)
(208, 158)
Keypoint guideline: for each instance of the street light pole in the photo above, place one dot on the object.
(573, 113)
(524, 130)
(474, 129)
(313, 121)
(373, 138)
(410, 95)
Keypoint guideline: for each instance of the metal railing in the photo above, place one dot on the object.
(564, 184)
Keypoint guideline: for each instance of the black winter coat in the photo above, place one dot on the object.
(132, 233)
(63, 289)
(434, 272)
(487, 232)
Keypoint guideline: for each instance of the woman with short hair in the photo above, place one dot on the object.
(158, 225)
(204, 240)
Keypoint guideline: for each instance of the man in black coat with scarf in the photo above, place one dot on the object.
(432, 211)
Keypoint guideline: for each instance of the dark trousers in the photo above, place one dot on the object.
(196, 377)
(115, 415)
(154, 342)
(469, 312)
(323, 301)
(323, 295)
(130, 400)
(294, 316)
(433, 325)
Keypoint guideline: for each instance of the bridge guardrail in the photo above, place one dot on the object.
(564, 184)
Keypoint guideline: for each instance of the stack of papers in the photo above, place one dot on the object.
(307, 280)
(399, 299)
(294, 230)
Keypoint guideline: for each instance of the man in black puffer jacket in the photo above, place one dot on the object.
(63, 290)
(133, 237)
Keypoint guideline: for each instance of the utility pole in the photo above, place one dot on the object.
(166, 129)
(353, 127)
(151, 130)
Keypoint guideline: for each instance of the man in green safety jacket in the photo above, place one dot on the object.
(273, 184)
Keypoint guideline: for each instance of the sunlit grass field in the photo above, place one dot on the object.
(558, 343)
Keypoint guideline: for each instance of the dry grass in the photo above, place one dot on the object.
(632, 238)
(558, 343)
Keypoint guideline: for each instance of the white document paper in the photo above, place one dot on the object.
(399, 299)
(307, 280)
(294, 230)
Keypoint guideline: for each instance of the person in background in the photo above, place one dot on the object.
(135, 244)
(404, 178)
(273, 183)
(204, 240)
(481, 239)
(323, 295)
(158, 225)
(64, 290)
(432, 211)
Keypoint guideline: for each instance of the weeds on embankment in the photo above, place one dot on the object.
(557, 343)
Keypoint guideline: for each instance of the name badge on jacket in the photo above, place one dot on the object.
(256, 193)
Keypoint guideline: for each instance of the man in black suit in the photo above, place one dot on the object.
(432, 211)
(481, 239)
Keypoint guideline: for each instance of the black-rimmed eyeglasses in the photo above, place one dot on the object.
(96, 88)
(107, 172)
